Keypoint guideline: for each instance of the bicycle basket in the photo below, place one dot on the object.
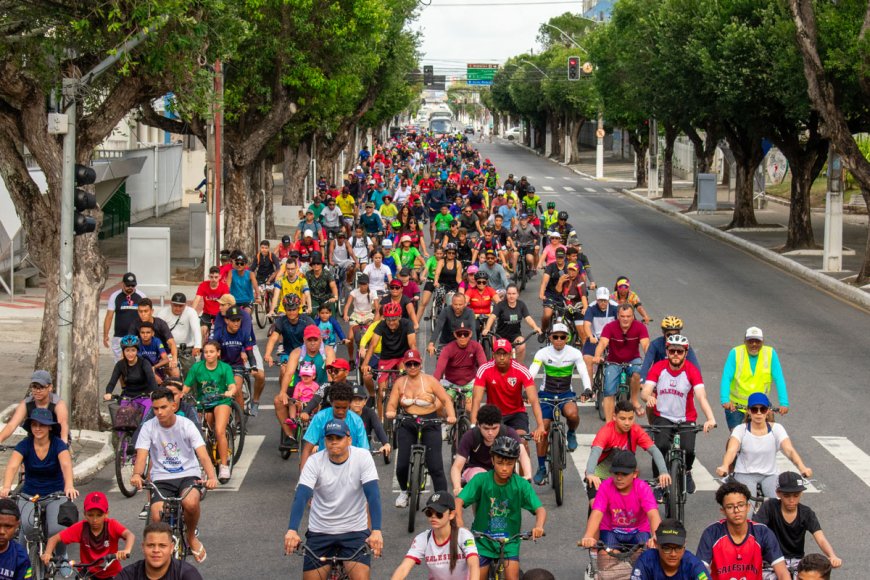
(613, 565)
(128, 416)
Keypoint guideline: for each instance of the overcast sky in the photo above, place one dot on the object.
(456, 32)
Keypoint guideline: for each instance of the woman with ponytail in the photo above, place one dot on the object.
(448, 551)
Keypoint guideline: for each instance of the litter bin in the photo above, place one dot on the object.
(707, 192)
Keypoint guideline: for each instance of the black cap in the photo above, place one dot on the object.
(560, 253)
(233, 313)
(9, 507)
(316, 258)
(623, 462)
(286, 239)
(363, 279)
(179, 298)
(440, 501)
(129, 279)
(790, 482)
(240, 257)
(405, 272)
(671, 531)
(359, 392)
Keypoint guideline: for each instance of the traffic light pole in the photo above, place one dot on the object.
(67, 243)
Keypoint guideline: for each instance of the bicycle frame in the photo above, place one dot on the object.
(173, 514)
(416, 465)
(336, 564)
(35, 546)
(497, 567)
(675, 459)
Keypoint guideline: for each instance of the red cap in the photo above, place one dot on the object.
(311, 331)
(339, 363)
(502, 344)
(412, 356)
(96, 500)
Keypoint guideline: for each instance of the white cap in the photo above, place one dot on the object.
(309, 234)
(387, 243)
(754, 332)
(602, 294)
(399, 172)
(559, 327)
(554, 234)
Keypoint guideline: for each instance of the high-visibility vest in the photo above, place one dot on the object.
(745, 382)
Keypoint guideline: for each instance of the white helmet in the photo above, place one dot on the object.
(678, 340)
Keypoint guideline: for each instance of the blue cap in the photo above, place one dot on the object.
(337, 427)
(758, 399)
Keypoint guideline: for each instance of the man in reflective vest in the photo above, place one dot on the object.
(750, 368)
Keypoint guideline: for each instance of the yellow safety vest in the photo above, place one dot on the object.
(745, 382)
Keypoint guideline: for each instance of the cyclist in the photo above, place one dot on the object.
(239, 350)
(288, 329)
(214, 386)
(488, 244)
(308, 224)
(449, 551)
(526, 236)
(508, 316)
(396, 336)
(428, 273)
(337, 372)
(371, 221)
(671, 389)
(342, 259)
(379, 273)
(13, 556)
(184, 324)
(459, 361)
(657, 350)
(362, 247)
(482, 296)
(306, 247)
(736, 545)
(364, 303)
(451, 236)
(562, 226)
(340, 397)
(41, 396)
(291, 283)
(145, 309)
(321, 285)
(548, 254)
(597, 316)
(267, 265)
(134, 372)
(370, 419)
(750, 368)
(122, 309)
(243, 283)
(341, 484)
(555, 274)
(814, 567)
(670, 559)
(549, 217)
(498, 276)
(418, 396)
(625, 340)
(208, 295)
(349, 210)
(624, 511)
(469, 221)
(408, 256)
(283, 250)
(754, 445)
(158, 547)
(499, 497)
(558, 361)
(448, 270)
(790, 520)
(473, 450)
(458, 315)
(624, 295)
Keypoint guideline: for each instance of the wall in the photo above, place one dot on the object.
(154, 195)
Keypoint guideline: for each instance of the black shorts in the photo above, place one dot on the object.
(206, 319)
(429, 286)
(174, 487)
(341, 545)
(518, 421)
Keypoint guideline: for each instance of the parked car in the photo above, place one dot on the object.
(513, 133)
(469, 130)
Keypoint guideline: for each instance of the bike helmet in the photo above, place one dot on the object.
(451, 247)
(678, 340)
(481, 276)
(505, 446)
(551, 205)
(131, 340)
(472, 269)
(672, 323)
(563, 215)
(531, 189)
(392, 310)
(292, 302)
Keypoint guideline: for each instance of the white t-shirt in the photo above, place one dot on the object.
(363, 303)
(758, 454)
(377, 277)
(424, 548)
(185, 328)
(339, 505)
(173, 449)
(360, 247)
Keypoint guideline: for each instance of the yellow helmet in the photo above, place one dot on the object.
(672, 323)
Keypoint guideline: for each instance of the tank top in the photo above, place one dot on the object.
(448, 274)
(340, 253)
(53, 400)
(241, 287)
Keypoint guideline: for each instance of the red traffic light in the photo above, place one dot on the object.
(573, 61)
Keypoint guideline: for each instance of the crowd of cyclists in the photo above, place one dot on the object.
(360, 275)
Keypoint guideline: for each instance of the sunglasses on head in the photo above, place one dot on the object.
(430, 513)
(757, 409)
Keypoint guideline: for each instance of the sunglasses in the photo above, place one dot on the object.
(461, 334)
(430, 513)
(676, 351)
(758, 409)
(333, 370)
(412, 365)
(559, 337)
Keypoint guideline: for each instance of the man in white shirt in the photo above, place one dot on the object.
(183, 323)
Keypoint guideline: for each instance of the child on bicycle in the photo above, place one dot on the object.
(330, 329)
(370, 418)
(152, 349)
(97, 536)
(13, 556)
(500, 496)
(302, 392)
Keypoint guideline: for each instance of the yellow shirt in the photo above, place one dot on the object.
(346, 204)
(367, 337)
(298, 287)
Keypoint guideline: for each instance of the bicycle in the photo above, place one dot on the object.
(210, 435)
(674, 497)
(623, 390)
(557, 439)
(172, 514)
(417, 471)
(261, 306)
(522, 274)
(124, 425)
(463, 423)
(598, 390)
(36, 540)
(616, 565)
(498, 565)
(301, 427)
(439, 301)
(337, 570)
(389, 425)
(80, 570)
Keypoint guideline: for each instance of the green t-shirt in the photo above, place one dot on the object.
(407, 257)
(431, 266)
(499, 509)
(316, 208)
(442, 221)
(206, 383)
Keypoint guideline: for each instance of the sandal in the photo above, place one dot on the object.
(199, 555)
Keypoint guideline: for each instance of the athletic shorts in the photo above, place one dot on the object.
(174, 487)
(484, 561)
(611, 376)
(547, 410)
(589, 348)
(614, 539)
(429, 286)
(341, 545)
(518, 421)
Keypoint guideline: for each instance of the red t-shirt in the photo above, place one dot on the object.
(78, 534)
(480, 301)
(609, 438)
(306, 249)
(210, 296)
(426, 185)
(505, 391)
(624, 347)
(225, 269)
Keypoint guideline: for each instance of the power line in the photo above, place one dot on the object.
(453, 5)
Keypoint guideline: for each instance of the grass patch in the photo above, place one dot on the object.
(817, 192)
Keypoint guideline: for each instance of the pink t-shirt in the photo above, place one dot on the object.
(549, 253)
(303, 392)
(625, 513)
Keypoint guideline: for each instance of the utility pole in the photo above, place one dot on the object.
(652, 188)
(832, 259)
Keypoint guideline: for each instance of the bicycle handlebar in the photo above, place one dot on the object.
(619, 550)
(556, 402)
(150, 485)
(679, 427)
(509, 539)
(103, 562)
(37, 498)
(331, 559)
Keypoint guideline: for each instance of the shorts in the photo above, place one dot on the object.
(206, 319)
(518, 421)
(470, 472)
(341, 545)
(611, 376)
(429, 286)
(174, 487)
(387, 364)
(614, 539)
(547, 410)
(589, 348)
(555, 297)
(484, 561)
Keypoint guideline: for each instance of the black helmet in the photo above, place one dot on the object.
(530, 189)
(481, 276)
(505, 446)
(292, 302)
(563, 215)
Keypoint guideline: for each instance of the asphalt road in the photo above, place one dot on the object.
(717, 289)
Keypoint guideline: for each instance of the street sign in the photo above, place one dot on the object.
(480, 74)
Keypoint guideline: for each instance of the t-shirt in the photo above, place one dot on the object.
(339, 504)
(505, 391)
(625, 513)
(499, 509)
(675, 390)
(378, 277)
(14, 563)
(210, 296)
(407, 257)
(42, 476)
(624, 347)
(728, 560)
(648, 567)
(172, 449)
(477, 455)
(232, 345)
(459, 365)
(509, 320)
(126, 309)
(599, 318)
(207, 383)
(299, 286)
(425, 549)
(394, 344)
(480, 301)
(790, 535)
(153, 351)
(315, 436)
(292, 334)
(758, 453)
(609, 438)
(442, 221)
(555, 273)
(178, 570)
(95, 547)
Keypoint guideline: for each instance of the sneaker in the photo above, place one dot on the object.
(403, 500)
(255, 409)
(224, 473)
(690, 482)
(427, 318)
(290, 422)
(572, 441)
(541, 475)
(146, 510)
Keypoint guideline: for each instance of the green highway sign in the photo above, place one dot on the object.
(480, 74)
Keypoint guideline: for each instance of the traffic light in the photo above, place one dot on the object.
(428, 75)
(84, 200)
(573, 68)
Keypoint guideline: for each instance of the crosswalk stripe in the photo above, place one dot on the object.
(849, 455)
(589, 189)
(549, 177)
(568, 188)
(566, 177)
(252, 446)
(547, 188)
(783, 464)
(609, 190)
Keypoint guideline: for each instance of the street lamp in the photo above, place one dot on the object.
(566, 36)
(536, 67)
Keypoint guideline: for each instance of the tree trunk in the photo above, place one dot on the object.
(271, 233)
(640, 146)
(575, 127)
(240, 205)
(556, 128)
(671, 133)
(295, 169)
(805, 162)
(748, 154)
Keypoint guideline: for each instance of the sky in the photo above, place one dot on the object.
(457, 32)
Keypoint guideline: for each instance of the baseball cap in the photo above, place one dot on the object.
(573, 266)
(559, 327)
(560, 253)
(623, 462)
(311, 331)
(338, 363)
(233, 313)
(359, 392)
(671, 532)
(602, 294)
(404, 272)
(286, 239)
(307, 369)
(622, 282)
(41, 377)
(96, 500)
(757, 399)
(790, 482)
(341, 234)
(179, 298)
(8, 507)
(129, 279)
(363, 279)
(309, 234)
(754, 332)
(227, 299)
(440, 502)
(502, 344)
(554, 234)
(412, 356)
(337, 427)
(309, 210)
(404, 239)
(395, 283)
(387, 243)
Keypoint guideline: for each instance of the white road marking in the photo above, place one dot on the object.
(589, 189)
(546, 188)
(549, 177)
(567, 177)
(568, 188)
(252, 446)
(609, 190)
(267, 407)
(783, 464)
(849, 455)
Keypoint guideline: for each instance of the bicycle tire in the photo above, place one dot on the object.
(390, 430)
(240, 423)
(124, 462)
(673, 502)
(34, 550)
(231, 446)
(521, 272)
(598, 389)
(557, 467)
(463, 424)
(260, 315)
(246, 393)
(415, 472)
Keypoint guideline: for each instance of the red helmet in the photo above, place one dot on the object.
(392, 309)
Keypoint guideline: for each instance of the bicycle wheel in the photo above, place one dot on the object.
(34, 551)
(231, 446)
(238, 418)
(598, 389)
(557, 464)
(522, 276)
(390, 430)
(125, 458)
(462, 425)
(673, 503)
(246, 393)
(260, 314)
(415, 483)
(486, 343)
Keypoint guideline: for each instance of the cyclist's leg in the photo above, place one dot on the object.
(282, 412)
(431, 438)
(190, 507)
(221, 420)
(734, 418)
(512, 568)
(611, 384)
(545, 318)
(634, 383)
(237, 375)
(259, 376)
(662, 440)
(405, 437)
(27, 524)
(350, 543)
(571, 413)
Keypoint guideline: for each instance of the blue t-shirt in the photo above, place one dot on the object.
(152, 351)
(292, 334)
(599, 318)
(241, 286)
(377, 197)
(648, 567)
(42, 476)
(247, 327)
(232, 346)
(14, 563)
(508, 213)
(657, 351)
(371, 224)
(315, 436)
